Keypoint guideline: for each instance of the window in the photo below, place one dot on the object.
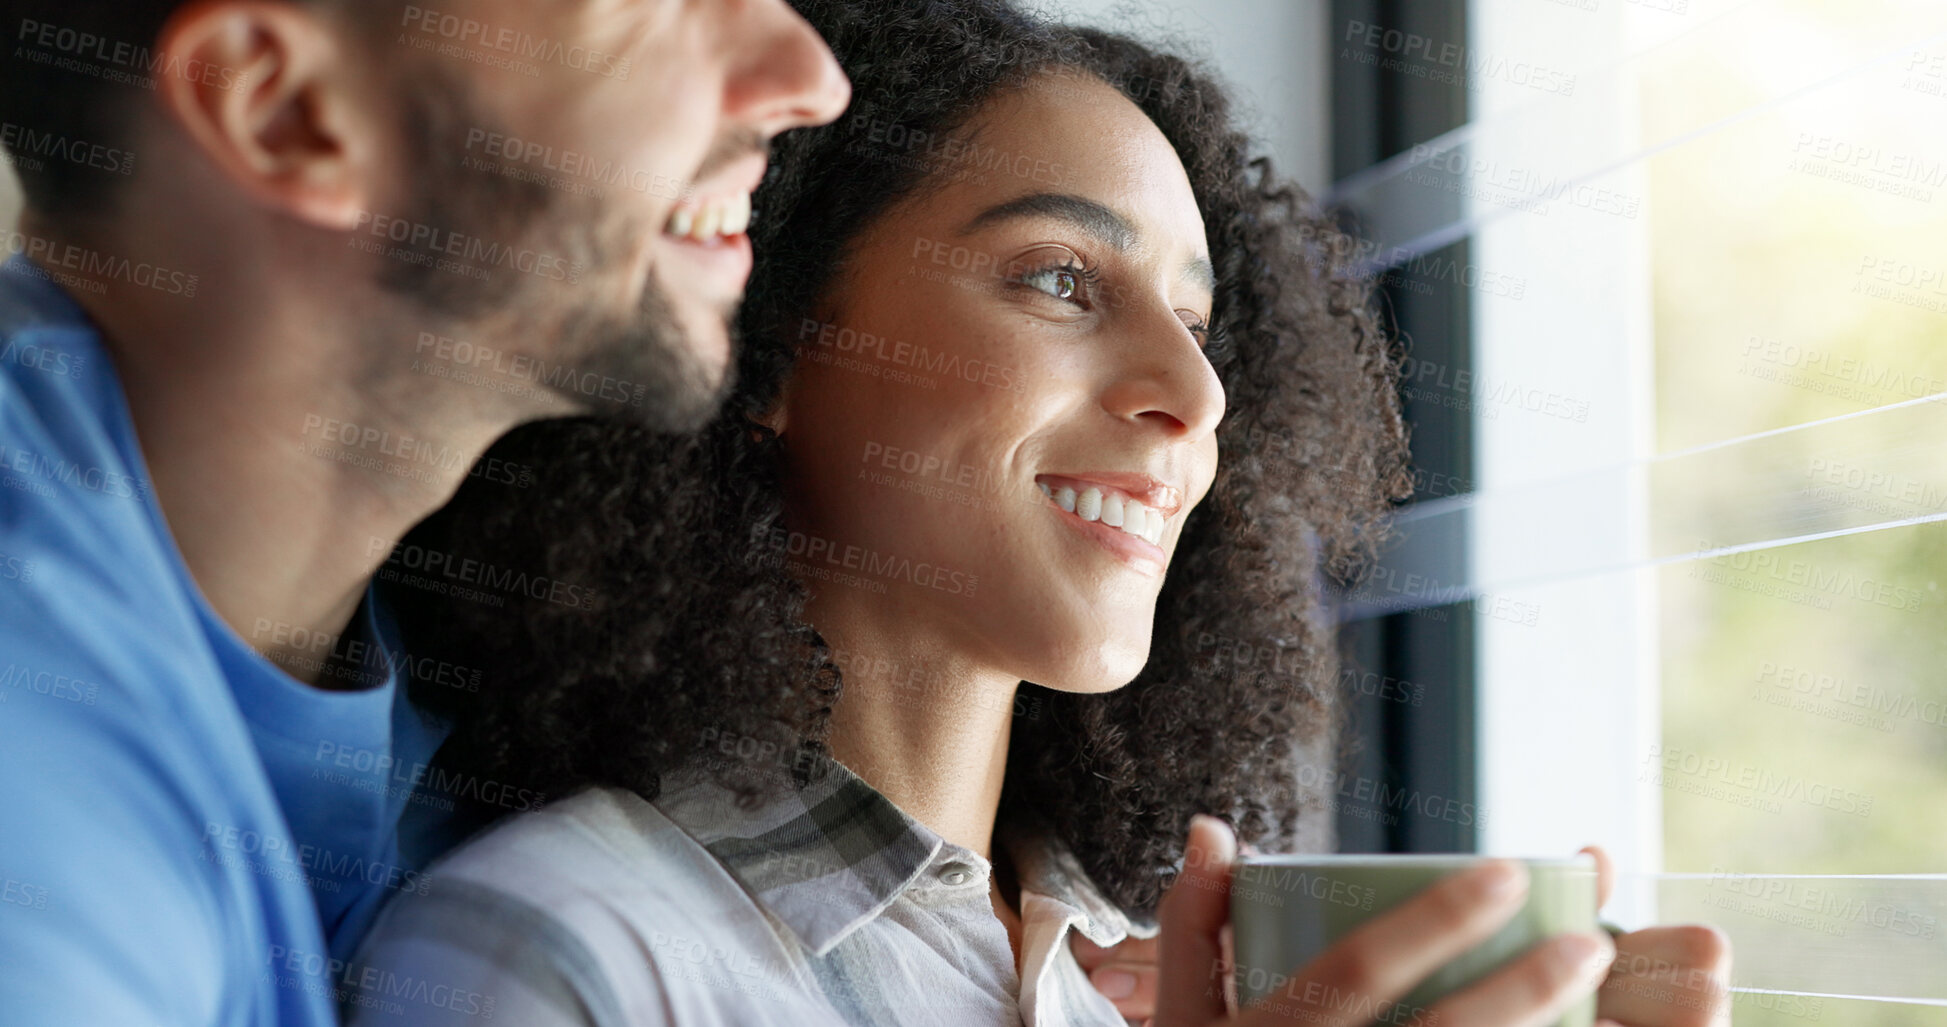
(1695, 538)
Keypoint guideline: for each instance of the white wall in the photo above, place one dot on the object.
(1275, 53)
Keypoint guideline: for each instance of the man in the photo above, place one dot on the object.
(286, 269)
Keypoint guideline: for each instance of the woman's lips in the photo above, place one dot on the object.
(1107, 517)
(1138, 505)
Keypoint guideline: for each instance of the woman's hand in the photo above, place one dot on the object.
(1125, 974)
(1663, 976)
(1360, 979)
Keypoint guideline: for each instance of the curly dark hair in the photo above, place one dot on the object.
(691, 640)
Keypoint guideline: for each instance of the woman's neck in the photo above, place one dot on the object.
(928, 729)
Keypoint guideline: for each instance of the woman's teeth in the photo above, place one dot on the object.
(721, 217)
(1110, 509)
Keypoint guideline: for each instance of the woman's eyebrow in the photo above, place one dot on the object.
(1100, 221)
(1200, 272)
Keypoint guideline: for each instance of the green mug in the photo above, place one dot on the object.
(1285, 911)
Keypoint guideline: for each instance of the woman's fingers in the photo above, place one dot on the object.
(1129, 950)
(1605, 874)
(1362, 977)
(1193, 913)
(1130, 986)
(1125, 974)
(1670, 977)
(1534, 989)
(1359, 979)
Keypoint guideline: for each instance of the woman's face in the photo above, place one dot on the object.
(1002, 413)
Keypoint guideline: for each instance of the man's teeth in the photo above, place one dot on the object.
(1110, 509)
(706, 220)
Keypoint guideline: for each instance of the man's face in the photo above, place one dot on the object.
(577, 182)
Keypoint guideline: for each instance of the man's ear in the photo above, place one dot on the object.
(268, 95)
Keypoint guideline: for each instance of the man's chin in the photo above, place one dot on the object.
(678, 363)
(709, 334)
(671, 413)
(713, 352)
(692, 409)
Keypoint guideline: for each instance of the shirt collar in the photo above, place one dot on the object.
(1045, 866)
(825, 859)
(828, 858)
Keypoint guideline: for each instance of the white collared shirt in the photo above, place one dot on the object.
(826, 905)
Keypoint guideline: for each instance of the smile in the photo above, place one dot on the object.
(1127, 513)
(710, 219)
(1111, 508)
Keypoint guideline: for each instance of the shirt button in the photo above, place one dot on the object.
(954, 875)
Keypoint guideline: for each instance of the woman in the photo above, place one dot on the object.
(1028, 365)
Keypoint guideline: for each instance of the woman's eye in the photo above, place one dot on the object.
(1063, 283)
(1197, 326)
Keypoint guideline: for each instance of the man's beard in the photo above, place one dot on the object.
(638, 366)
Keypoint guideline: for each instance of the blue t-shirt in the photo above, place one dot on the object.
(188, 835)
